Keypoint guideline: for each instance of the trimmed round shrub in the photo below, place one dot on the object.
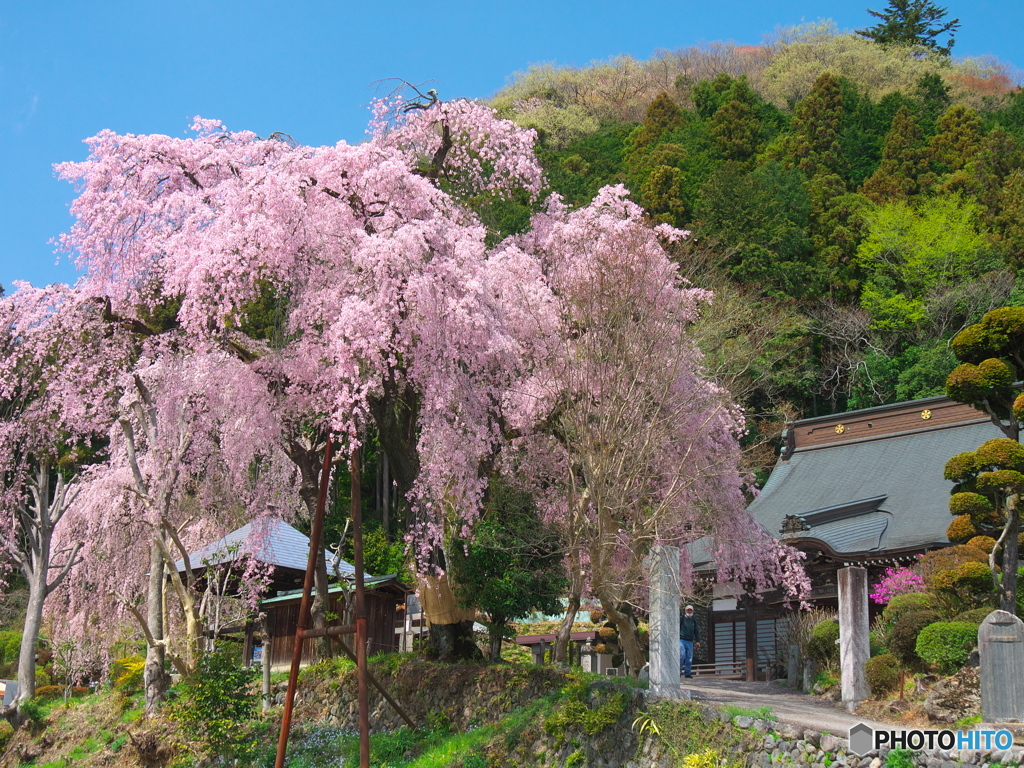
(607, 633)
(985, 543)
(961, 529)
(971, 580)
(947, 644)
(601, 648)
(883, 673)
(822, 647)
(974, 617)
(904, 604)
(902, 638)
(949, 558)
(597, 616)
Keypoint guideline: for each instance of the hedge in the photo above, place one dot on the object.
(883, 673)
(822, 646)
(902, 638)
(947, 644)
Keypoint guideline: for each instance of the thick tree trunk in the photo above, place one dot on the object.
(627, 635)
(454, 642)
(1008, 588)
(155, 679)
(30, 636)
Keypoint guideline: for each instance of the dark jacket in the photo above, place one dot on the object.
(689, 629)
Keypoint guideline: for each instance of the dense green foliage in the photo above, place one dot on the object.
(866, 195)
(512, 567)
(215, 707)
(823, 647)
(947, 644)
(883, 673)
(902, 638)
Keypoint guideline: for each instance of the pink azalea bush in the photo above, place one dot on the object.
(897, 581)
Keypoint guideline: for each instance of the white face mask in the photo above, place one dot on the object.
(689, 613)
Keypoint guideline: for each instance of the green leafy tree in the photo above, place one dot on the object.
(932, 94)
(663, 116)
(992, 352)
(512, 567)
(913, 256)
(1009, 221)
(761, 216)
(917, 23)
(216, 706)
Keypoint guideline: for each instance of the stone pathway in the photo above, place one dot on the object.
(788, 706)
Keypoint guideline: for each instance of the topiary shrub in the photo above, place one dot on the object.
(965, 585)
(822, 647)
(607, 633)
(883, 673)
(947, 644)
(902, 638)
(904, 604)
(597, 616)
(974, 617)
(961, 529)
(47, 692)
(948, 559)
(984, 543)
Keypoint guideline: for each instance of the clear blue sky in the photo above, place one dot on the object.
(71, 69)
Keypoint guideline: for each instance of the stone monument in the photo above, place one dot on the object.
(663, 570)
(1001, 648)
(854, 638)
(793, 667)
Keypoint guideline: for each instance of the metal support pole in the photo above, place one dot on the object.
(361, 686)
(316, 549)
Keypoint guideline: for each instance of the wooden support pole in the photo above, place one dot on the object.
(361, 671)
(316, 549)
(376, 684)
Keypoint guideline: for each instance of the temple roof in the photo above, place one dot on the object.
(282, 546)
(870, 481)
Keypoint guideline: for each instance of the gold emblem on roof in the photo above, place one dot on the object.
(926, 414)
(840, 429)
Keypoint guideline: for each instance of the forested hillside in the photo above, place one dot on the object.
(852, 205)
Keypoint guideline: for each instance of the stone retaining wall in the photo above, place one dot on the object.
(464, 697)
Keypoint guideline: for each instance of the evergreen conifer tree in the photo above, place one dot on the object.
(912, 22)
(903, 171)
(816, 125)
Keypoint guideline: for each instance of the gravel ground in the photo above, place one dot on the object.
(789, 706)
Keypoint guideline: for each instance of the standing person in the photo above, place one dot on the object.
(689, 638)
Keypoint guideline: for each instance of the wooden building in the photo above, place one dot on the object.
(385, 612)
(282, 546)
(859, 488)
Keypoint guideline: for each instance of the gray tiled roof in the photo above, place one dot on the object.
(905, 469)
(282, 546)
